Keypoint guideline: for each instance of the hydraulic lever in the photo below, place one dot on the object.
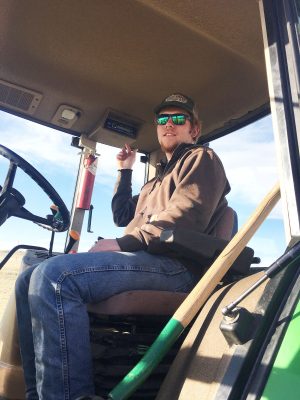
(73, 238)
(89, 225)
(277, 266)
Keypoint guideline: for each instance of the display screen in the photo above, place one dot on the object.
(121, 127)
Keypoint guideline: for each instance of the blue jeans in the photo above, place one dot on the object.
(52, 317)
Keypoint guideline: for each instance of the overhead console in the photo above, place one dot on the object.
(116, 128)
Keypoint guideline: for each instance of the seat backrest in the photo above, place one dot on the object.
(227, 226)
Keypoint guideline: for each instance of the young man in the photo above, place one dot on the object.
(52, 318)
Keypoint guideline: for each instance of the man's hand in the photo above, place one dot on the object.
(126, 157)
(105, 245)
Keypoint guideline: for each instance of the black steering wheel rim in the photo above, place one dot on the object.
(60, 224)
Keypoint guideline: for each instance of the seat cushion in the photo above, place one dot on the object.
(139, 302)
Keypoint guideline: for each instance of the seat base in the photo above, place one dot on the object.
(139, 302)
(119, 342)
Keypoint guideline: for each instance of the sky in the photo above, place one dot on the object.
(248, 156)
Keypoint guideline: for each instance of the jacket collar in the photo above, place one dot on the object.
(163, 167)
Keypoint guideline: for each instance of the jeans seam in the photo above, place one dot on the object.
(107, 268)
(62, 334)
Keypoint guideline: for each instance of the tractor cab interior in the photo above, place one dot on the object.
(94, 71)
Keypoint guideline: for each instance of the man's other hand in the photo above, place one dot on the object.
(126, 157)
(105, 245)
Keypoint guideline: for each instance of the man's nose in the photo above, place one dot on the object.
(170, 122)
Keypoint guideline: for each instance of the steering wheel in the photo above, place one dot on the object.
(12, 201)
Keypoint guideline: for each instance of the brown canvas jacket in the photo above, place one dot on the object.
(189, 194)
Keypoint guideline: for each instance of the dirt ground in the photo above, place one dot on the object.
(8, 276)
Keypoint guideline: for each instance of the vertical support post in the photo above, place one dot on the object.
(279, 25)
(77, 214)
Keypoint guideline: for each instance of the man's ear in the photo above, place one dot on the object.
(195, 132)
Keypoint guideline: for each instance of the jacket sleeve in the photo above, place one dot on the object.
(201, 184)
(123, 204)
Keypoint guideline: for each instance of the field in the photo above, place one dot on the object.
(8, 276)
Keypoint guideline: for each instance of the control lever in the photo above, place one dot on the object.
(283, 261)
(73, 238)
(57, 218)
(90, 219)
(55, 212)
(51, 244)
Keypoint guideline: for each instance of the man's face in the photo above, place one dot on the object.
(171, 135)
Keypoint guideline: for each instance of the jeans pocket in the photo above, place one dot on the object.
(171, 266)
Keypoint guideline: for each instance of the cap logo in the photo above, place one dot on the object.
(177, 97)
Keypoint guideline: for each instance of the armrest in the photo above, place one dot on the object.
(204, 248)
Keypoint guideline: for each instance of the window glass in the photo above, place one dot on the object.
(298, 14)
(248, 156)
(49, 151)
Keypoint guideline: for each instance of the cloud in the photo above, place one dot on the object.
(108, 167)
(38, 144)
(250, 163)
(267, 249)
(44, 147)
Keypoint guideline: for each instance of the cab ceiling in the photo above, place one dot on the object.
(127, 55)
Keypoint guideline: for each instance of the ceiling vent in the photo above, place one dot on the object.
(18, 98)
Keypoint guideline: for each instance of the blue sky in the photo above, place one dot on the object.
(248, 156)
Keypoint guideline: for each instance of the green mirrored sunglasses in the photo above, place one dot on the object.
(177, 119)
